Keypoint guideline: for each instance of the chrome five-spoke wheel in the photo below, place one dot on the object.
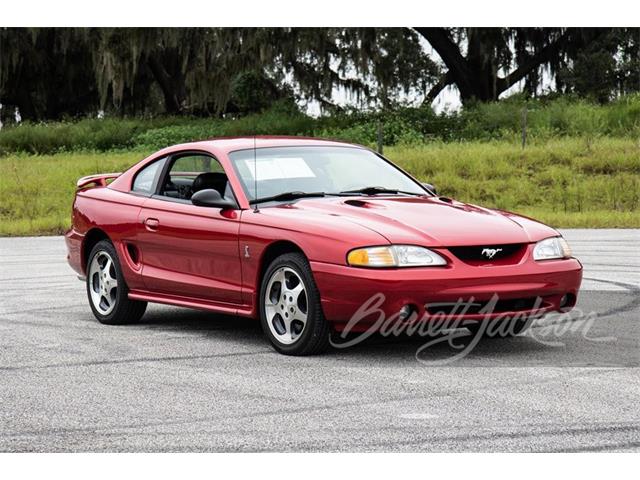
(290, 309)
(103, 283)
(107, 289)
(286, 305)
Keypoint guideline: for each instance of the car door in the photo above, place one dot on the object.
(187, 250)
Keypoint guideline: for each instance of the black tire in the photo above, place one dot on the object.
(124, 311)
(314, 338)
(501, 328)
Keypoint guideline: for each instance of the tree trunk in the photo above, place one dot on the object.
(476, 75)
(481, 62)
(172, 85)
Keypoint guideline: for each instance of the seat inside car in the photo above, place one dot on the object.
(215, 180)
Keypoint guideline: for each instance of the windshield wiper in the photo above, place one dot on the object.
(282, 197)
(380, 190)
(294, 195)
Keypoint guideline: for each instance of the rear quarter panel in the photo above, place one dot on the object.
(113, 212)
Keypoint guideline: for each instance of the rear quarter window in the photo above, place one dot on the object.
(144, 182)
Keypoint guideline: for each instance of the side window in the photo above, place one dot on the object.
(195, 164)
(193, 172)
(145, 179)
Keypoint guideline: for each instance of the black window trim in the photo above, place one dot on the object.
(154, 185)
(166, 168)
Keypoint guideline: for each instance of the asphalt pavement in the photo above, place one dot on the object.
(185, 380)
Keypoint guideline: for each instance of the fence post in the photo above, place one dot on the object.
(524, 127)
(380, 138)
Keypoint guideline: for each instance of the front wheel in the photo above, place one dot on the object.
(107, 290)
(290, 311)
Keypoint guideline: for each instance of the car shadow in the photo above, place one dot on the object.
(435, 349)
(184, 321)
(455, 348)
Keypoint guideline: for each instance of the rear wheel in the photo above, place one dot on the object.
(107, 290)
(290, 311)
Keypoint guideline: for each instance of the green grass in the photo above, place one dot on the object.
(36, 191)
(569, 182)
(562, 180)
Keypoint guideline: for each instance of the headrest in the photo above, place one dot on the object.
(215, 180)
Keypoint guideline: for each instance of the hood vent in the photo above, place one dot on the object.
(362, 204)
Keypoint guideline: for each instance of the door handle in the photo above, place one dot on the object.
(151, 224)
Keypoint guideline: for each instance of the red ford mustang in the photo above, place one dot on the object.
(301, 233)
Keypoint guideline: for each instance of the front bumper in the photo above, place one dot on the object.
(347, 291)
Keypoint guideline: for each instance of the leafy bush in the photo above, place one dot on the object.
(278, 120)
(546, 119)
(84, 135)
(157, 138)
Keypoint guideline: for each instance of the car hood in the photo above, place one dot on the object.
(430, 221)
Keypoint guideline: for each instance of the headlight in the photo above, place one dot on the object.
(394, 256)
(550, 248)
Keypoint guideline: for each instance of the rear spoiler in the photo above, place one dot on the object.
(99, 180)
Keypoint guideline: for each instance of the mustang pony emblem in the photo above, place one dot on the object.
(490, 252)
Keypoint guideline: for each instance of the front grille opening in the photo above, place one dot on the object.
(467, 307)
(490, 254)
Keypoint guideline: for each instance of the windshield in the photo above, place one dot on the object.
(330, 170)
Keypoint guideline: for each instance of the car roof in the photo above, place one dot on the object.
(229, 144)
(224, 145)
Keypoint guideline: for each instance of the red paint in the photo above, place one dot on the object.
(195, 256)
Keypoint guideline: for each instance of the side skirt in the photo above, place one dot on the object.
(226, 308)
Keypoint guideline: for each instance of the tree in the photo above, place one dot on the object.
(44, 72)
(194, 68)
(604, 68)
(50, 72)
(373, 64)
(485, 62)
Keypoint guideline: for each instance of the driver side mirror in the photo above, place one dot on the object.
(430, 187)
(210, 198)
